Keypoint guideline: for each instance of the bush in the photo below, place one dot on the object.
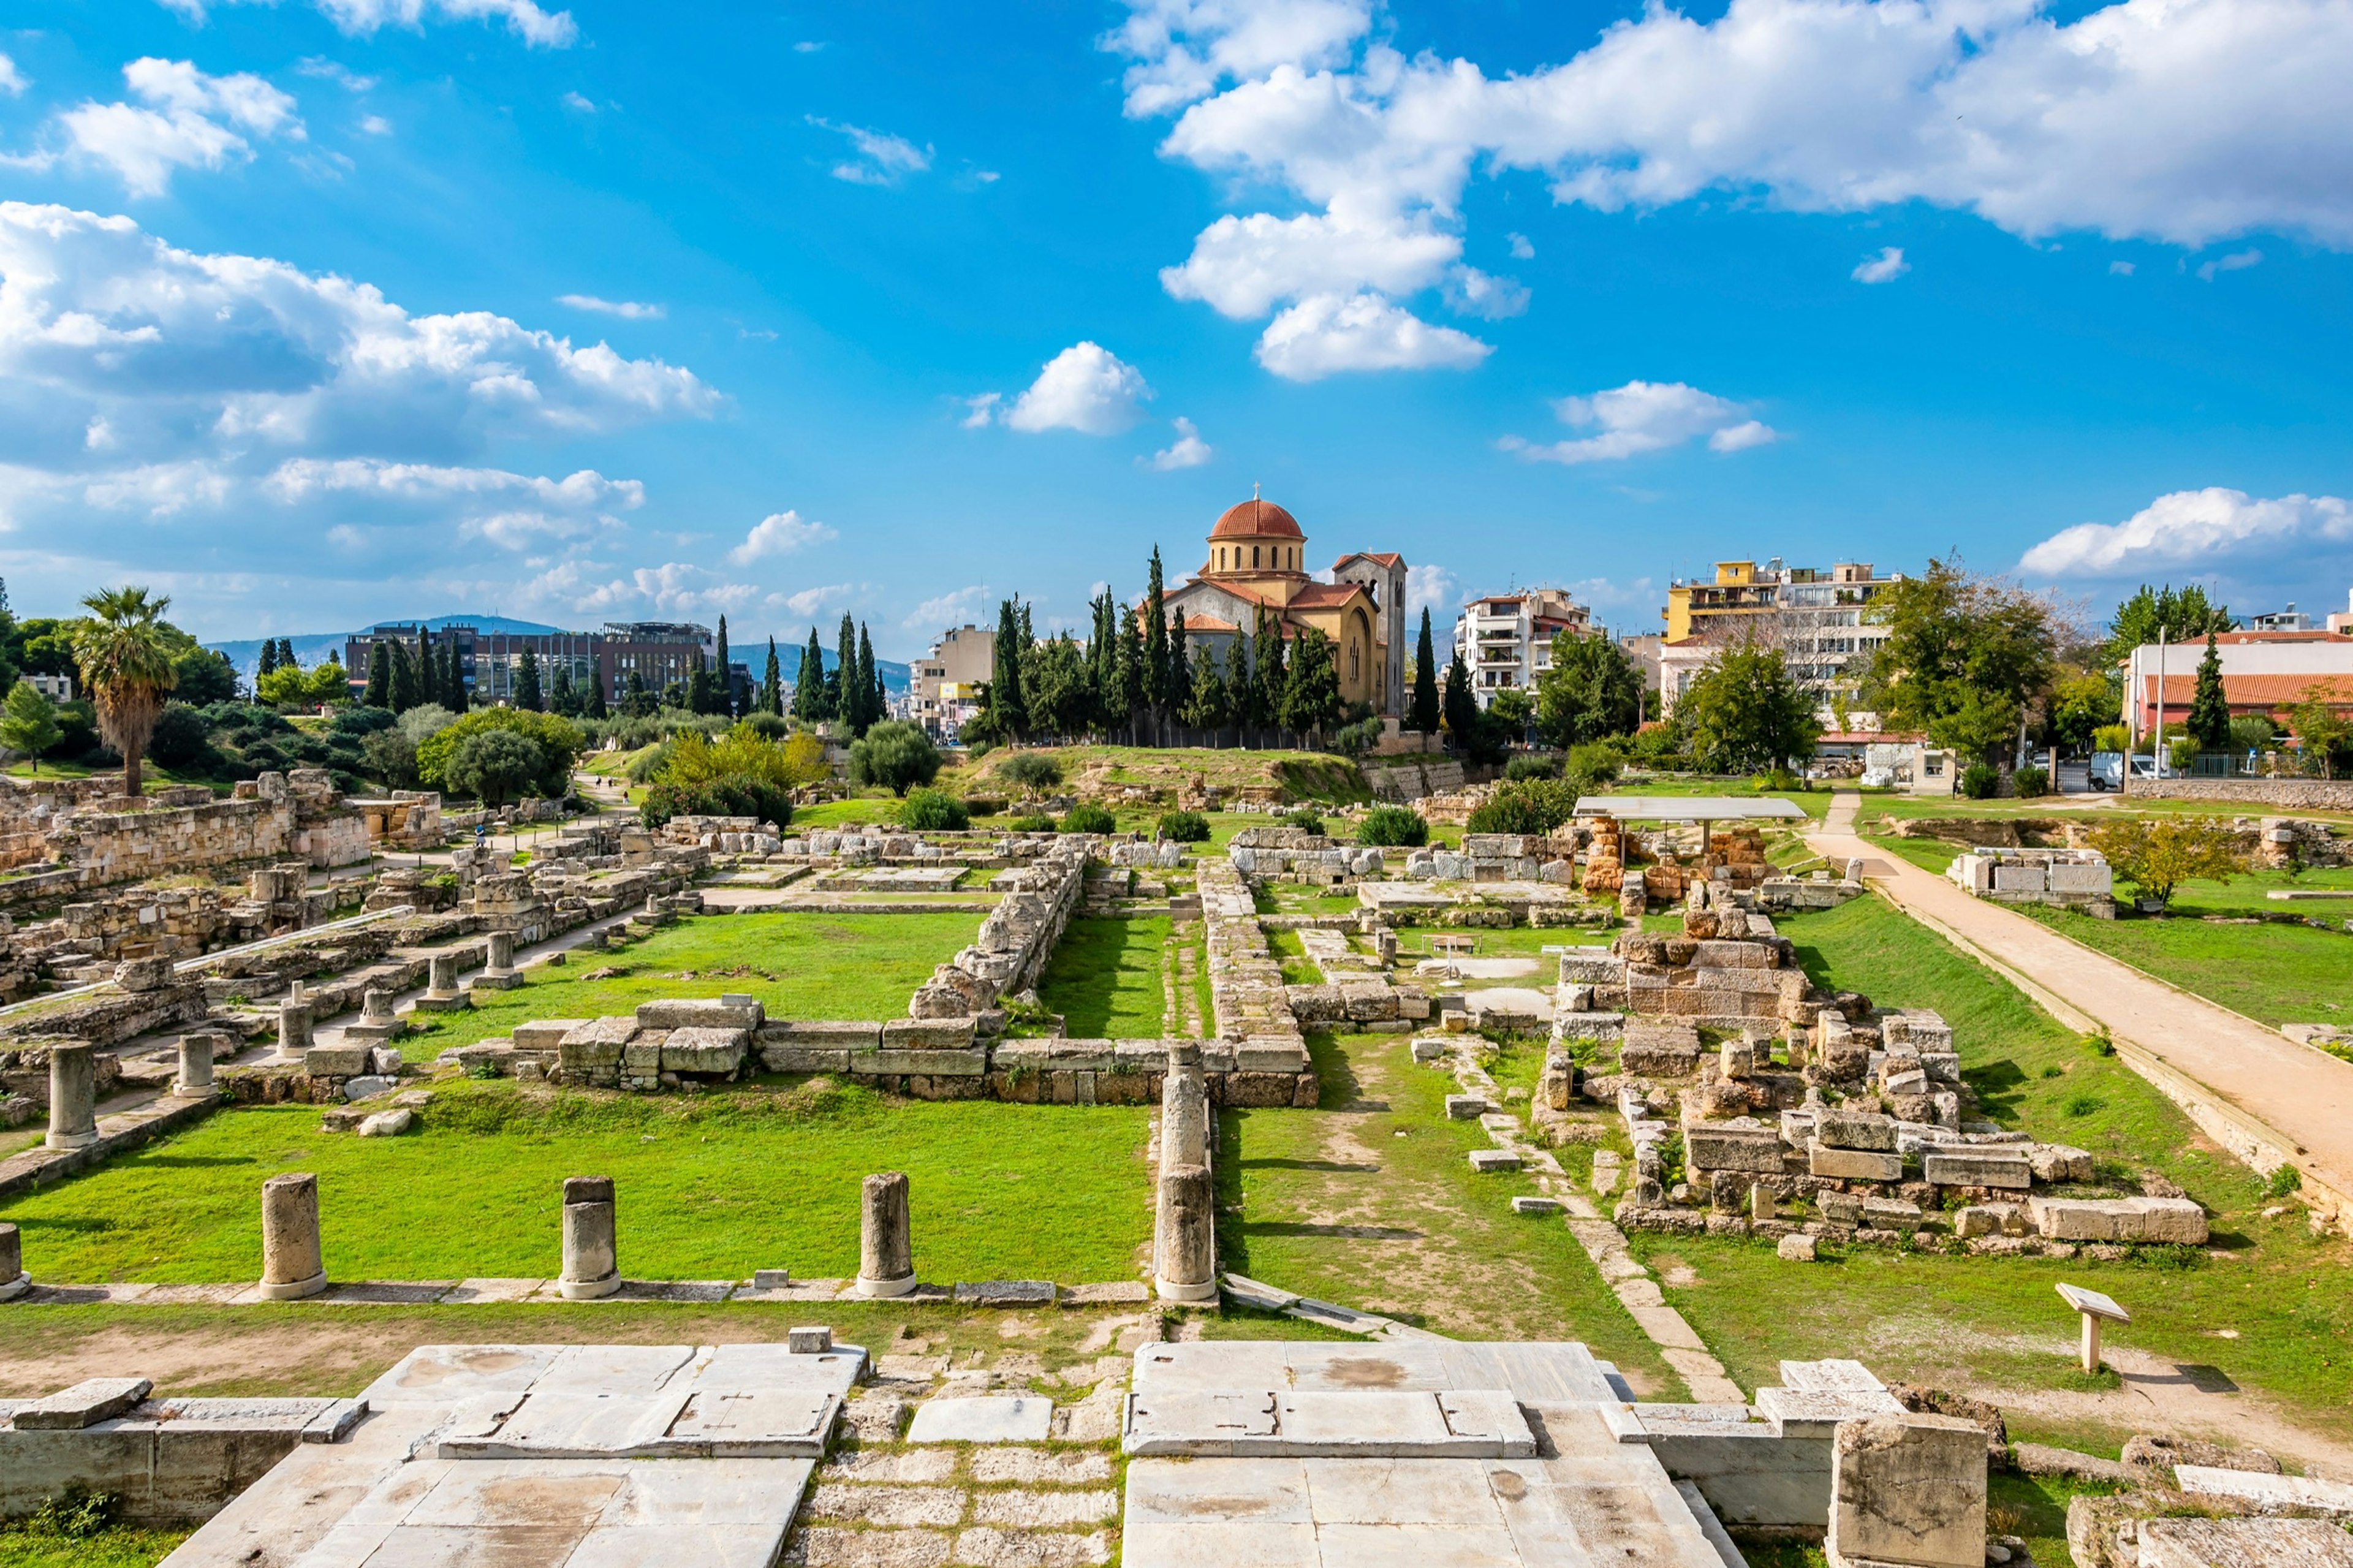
(2029, 782)
(559, 740)
(650, 764)
(2253, 732)
(1393, 826)
(983, 805)
(424, 720)
(1031, 769)
(180, 738)
(1529, 806)
(1304, 820)
(734, 797)
(1776, 778)
(767, 726)
(2110, 737)
(359, 720)
(895, 756)
(390, 758)
(691, 756)
(495, 766)
(1980, 781)
(1185, 827)
(1595, 763)
(1526, 766)
(1087, 818)
(934, 811)
(1355, 739)
(1030, 822)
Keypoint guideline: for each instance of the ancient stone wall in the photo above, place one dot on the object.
(1016, 939)
(2296, 794)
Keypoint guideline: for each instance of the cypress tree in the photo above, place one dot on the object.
(772, 682)
(866, 684)
(1461, 704)
(453, 679)
(1423, 714)
(560, 696)
(1241, 693)
(526, 688)
(1102, 664)
(843, 681)
(428, 669)
(726, 673)
(1180, 669)
(699, 697)
(404, 678)
(1268, 669)
(268, 663)
(1311, 696)
(379, 685)
(2210, 710)
(1007, 700)
(636, 698)
(595, 705)
(1154, 668)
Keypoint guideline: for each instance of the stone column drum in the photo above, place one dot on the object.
(441, 975)
(886, 1258)
(73, 1095)
(592, 1266)
(1185, 1236)
(13, 1280)
(195, 1066)
(376, 1007)
(294, 1026)
(502, 945)
(1184, 1109)
(291, 1265)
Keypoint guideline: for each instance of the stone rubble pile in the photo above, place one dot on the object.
(1016, 939)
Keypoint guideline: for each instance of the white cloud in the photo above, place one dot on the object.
(1325, 334)
(808, 601)
(948, 609)
(1187, 451)
(883, 159)
(375, 125)
(580, 103)
(1884, 267)
(194, 123)
(1471, 292)
(2192, 528)
(627, 309)
(12, 80)
(2234, 262)
(1429, 587)
(1645, 417)
(1240, 267)
(538, 28)
(779, 534)
(335, 72)
(980, 410)
(1521, 249)
(2120, 268)
(807, 46)
(1086, 388)
(1183, 48)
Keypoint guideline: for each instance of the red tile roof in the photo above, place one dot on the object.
(1257, 519)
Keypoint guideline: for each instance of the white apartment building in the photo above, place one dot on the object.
(1817, 618)
(1505, 639)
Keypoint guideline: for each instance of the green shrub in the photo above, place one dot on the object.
(934, 811)
(495, 766)
(737, 794)
(768, 726)
(1305, 821)
(1029, 822)
(1185, 827)
(1089, 818)
(1525, 805)
(2283, 1181)
(179, 738)
(1030, 770)
(1531, 766)
(1393, 826)
(2029, 782)
(1777, 779)
(896, 755)
(1980, 781)
(983, 805)
(559, 742)
(1355, 739)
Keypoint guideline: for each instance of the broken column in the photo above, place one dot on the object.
(499, 973)
(592, 1266)
(442, 993)
(294, 1024)
(1184, 1109)
(195, 1066)
(1908, 1489)
(886, 1259)
(1185, 1236)
(13, 1280)
(291, 1264)
(73, 1095)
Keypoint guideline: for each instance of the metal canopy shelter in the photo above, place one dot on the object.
(1704, 809)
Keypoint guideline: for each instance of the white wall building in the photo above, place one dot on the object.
(1505, 639)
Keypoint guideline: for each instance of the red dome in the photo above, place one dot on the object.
(1257, 519)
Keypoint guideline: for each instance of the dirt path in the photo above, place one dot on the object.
(2304, 1097)
(2158, 1394)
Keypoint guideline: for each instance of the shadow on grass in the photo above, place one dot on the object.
(1279, 1163)
(1343, 1232)
(1337, 1084)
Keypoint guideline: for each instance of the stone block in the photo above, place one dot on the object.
(641, 1057)
(1713, 1147)
(805, 1058)
(1840, 1208)
(1465, 1106)
(1265, 1090)
(1891, 1214)
(1855, 1129)
(971, 1063)
(1525, 1204)
(1262, 1053)
(85, 1404)
(387, 1123)
(1908, 1489)
(338, 1061)
(2020, 879)
(814, 1034)
(705, 1012)
(1489, 1160)
(2058, 1162)
(1592, 966)
(1977, 1166)
(927, 1035)
(595, 1045)
(704, 1051)
(1795, 1247)
(1853, 1164)
(2178, 1221)
(544, 1034)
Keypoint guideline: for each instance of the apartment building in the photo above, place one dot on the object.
(943, 686)
(1815, 617)
(490, 660)
(1505, 639)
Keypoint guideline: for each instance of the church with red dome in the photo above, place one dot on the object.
(1258, 563)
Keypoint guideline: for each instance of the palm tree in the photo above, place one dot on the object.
(126, 663)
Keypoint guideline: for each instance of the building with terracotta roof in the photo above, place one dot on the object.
(1257, 563)
(2264, 672)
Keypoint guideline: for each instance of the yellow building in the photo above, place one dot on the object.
(1815, 617)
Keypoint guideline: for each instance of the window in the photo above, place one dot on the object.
(1254, 557)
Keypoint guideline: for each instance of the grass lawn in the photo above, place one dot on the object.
(800, 965)
(1369, 1201)
(25, 1544)
(1104, 979)
(1289, 952)
(711, 1187)
(1935, 855)
(1995, 1325)
(1815, 801)
(2272, 974)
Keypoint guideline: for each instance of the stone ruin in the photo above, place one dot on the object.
(1015, 941)
(2077, 880)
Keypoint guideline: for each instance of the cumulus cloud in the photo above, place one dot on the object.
(947, 610)
(1471, 292)
(808, 601)
(375, 125)
(1521, 249)
(185, 120)
(779, 534)
(2120, 268)
(1086, 388)
(1429, 587)
(627, 309)
(1645, 417)
(1884, 267)
(2191, 529)
(579, 102)
(1187, 451)
(1183, 48)
(1325, 334)
(1240, 267)
(12, 80)
(883, 159)
(360, 18)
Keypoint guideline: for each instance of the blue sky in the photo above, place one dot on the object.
(329, 311)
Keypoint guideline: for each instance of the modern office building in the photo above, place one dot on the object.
(488, 660)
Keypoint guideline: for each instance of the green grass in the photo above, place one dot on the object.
(2272, 974)
(1997, 1322)
(800, 965)
(1289, 951)
(711, 1187)
(1815, 801)
(1935, 855)
(23, 1545)
(1370, 1202)
(1104, 979)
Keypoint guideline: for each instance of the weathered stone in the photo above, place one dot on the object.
(387, 1123)
(1853, 1164)
(196, 1075)
(1855, 1129)
(1908, 1489)
(886, 1264)
(339, 1061)
(73, 1095)
(1795, 1247)
(1709, 1146)
(2060, 1162)
(1185, 1240)
(701, 1049)
(1984, 1166)
(591, 1240)
(13, 1280)
(702, 1013)
(291, 1258)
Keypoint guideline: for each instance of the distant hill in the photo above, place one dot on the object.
(896, 677)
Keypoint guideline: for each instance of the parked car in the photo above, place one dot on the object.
(2107, 771)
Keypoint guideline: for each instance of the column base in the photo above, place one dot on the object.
(192, 1090)
(71, 1140)
(882, 1290)
(1169, 1290)
(589, 1290)
(296, 1290)
(15, 1287)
